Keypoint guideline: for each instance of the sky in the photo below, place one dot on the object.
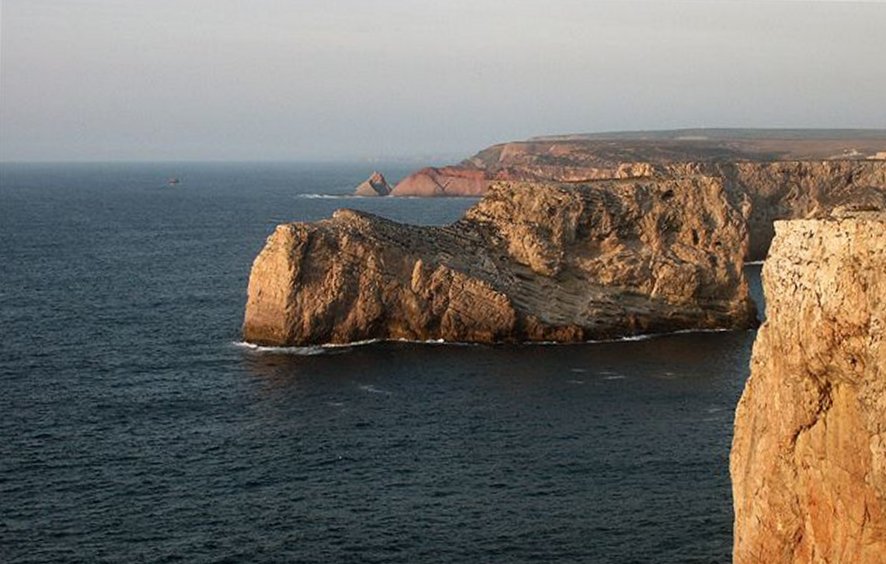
(99, 80)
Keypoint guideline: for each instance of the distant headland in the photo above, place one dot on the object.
(778, 173)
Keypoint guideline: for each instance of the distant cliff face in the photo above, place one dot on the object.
(446, 181)
(796, 190)
(808, 459)
(530, 262)
(807, 186)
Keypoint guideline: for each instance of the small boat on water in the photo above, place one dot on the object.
(173, 181)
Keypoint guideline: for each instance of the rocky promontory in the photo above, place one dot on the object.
(808, 460)
(781, 174)
(529, 262)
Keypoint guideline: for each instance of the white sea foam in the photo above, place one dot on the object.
(351, 344)
(327, 196)
(335, 347)
(329, 347)
(754, 263)
(614, 377)
(300, 351)
(373, 390)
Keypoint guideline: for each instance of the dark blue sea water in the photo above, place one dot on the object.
(133, 429)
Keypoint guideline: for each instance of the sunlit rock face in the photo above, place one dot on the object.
(529, 262)
(779, 179)
(808, 458)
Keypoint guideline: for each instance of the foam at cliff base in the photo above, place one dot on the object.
(329, 348)
(327, 196)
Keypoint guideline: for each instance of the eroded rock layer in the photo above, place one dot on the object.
(529, 262)
(808, 459)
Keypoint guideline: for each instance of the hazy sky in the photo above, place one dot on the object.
(299, 79)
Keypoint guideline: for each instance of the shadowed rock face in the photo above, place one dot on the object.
(529, 262)
(808, 459)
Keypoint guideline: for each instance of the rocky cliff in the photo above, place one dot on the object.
(808, 459)
(445, 181)
(794, 190)
(529, 262)
(780, 179)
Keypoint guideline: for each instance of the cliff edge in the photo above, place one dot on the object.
(529, 262)
(808, 459)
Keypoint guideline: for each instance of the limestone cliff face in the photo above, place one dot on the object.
(529, 262)
(808, 459)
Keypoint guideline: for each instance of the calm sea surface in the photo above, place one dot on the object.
(134, 429)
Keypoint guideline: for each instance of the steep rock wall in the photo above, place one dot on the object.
(808, 460)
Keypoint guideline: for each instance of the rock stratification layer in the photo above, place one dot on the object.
(529, 262)
(808, 459)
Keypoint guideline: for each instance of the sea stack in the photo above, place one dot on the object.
(375, 185)
(529, 262)
(808, 458)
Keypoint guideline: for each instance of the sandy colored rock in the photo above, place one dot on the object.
(529, 262)
(375, 185)
(779, 178)
(808, 458)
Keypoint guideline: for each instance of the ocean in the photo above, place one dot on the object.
(136, 427)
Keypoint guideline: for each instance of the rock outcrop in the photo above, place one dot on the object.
(529, 262)
(375, 185)
(781, 179)
(445, 181)
(808, 459)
